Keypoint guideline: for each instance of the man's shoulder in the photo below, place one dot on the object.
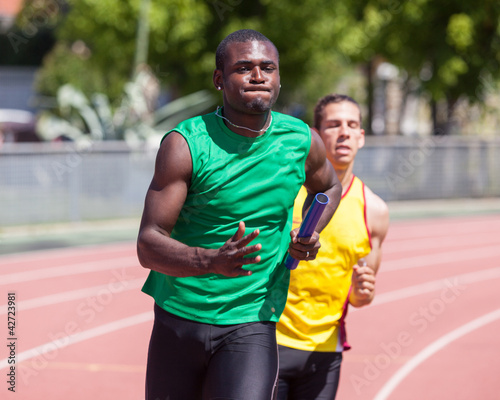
(375, 205)
(194, 126)
(285, 120)
(196, 122)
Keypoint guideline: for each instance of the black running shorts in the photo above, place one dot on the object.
(189, 360)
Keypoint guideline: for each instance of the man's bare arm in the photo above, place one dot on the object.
(164, 200)
(320, 178)
(363, 278)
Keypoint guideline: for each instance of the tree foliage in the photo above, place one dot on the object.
(449, 48)
(27, 41)
(100, 35)
(456, 40)
(452, 48)
(97, 41)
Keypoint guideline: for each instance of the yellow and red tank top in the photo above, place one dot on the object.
(313, 319)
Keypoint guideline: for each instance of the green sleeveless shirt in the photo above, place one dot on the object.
(236, 178)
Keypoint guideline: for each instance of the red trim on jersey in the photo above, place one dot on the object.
(343, 331)
(366, 219)
(349, 188)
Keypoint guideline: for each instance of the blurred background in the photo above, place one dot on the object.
(87, 89)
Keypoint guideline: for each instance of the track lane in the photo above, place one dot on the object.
(388, 336)
(108, 360)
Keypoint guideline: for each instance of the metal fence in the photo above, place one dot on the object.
(435, 167)
(59, 182)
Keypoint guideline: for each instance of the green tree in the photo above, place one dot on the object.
(452, 48)
(101, 36)
(97, 43)
(32, 36)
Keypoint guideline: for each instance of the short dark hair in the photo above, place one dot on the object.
(242, 35)
(331, 98)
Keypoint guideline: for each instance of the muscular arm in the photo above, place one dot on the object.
(165, 197)
(363, 278)
(320, 178)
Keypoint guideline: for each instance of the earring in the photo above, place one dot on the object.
(219, 88)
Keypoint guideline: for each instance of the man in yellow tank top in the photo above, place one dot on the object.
(311, 333)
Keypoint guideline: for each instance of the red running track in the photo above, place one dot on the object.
(82, 324)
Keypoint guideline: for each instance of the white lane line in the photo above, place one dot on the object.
(441, 258)
(54, 346)
(114, 286)
(450, 242)
(67, 270)
(73, 251)
(431, 349)
(433, 286)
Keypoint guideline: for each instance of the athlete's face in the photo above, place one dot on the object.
(250, 78)
(341, 132)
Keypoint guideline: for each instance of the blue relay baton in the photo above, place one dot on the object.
(309, 223)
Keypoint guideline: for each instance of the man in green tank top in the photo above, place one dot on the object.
(219, 290)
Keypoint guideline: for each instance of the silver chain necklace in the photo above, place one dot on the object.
(243, 127)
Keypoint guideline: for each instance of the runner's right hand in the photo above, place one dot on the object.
(229, 259)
